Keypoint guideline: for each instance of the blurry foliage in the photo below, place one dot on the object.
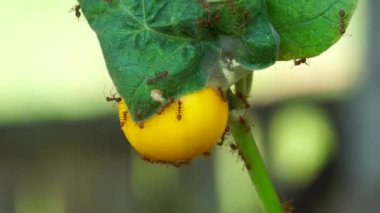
(302, 140)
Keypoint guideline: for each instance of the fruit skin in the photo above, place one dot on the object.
(204, 117)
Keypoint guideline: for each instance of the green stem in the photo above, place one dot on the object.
(249, 152)
(256, 169)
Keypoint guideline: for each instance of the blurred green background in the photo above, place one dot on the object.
(62, 151)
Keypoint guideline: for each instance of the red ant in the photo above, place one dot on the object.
(153, 161)
(243, 99)
(243, 122)
(232, 7)
(76, 8)
(140, 117)
(220, 143)
(207, 21)
(245, 18)
(244, 159)
(181, 163)
(157, 77)
(113, 98)
(288, 206)
(161, 110)
(233, 147)
(124, 119)
(147, 159)
(179, 108)
(342, 26)
(207, 154)
(217, 17)
(300, 61)
(204, 3)
(162, 162)
(222, 93)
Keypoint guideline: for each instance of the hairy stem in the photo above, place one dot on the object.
(249, 153)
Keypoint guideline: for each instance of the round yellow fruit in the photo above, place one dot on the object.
(188, 127)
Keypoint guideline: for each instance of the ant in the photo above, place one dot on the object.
(109, 1)
(157, 77)
(161, 110)
(217, 17)
(232, 7)
(300, 61)
(153, 161)
(342, 20)
(243, 99)
(243, 122)
(76, 9)
(233, 147)
(181, 163)
(245, 18)
(220, 143)
(124, 119)
(147, 159)
(179, 108)
(113, 98)
(288, 206)
(140, 117)
(207, 154)
(222, 93)
(207, 21)
(204, 3)
(244, 159)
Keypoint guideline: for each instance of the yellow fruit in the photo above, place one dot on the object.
(165, 137)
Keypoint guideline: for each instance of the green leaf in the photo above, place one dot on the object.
(255, 44)
(258, 47)
(144, 39)
(234, 16)
(176, 46)
(308, 27)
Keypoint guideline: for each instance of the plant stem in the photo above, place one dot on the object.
(249, 152)
(256, 167)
